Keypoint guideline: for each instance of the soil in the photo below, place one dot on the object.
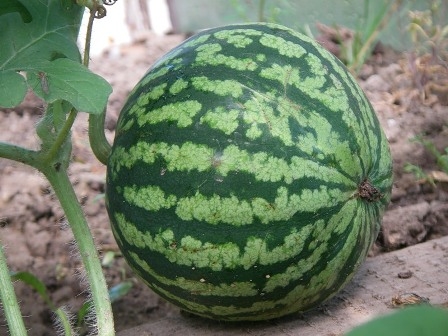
(37, 238)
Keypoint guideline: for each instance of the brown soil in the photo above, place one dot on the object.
(31, 218)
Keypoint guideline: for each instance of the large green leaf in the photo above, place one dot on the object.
(14, 6)
(32, 281)
(35, 37)
(51, 33)
(414, 321)
(33, 31)
(12, 88)
(71, 81)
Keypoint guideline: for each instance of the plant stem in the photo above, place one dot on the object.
(9, 300)
(62, 136)
(86, 57)
(375, 30)
(72, 209)
(64, 322)
(98, 142)
(261, 5)
(17, 153)
(434, 151)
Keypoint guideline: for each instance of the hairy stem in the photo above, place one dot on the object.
(63, 320)
(9, 300)
(62, 136)
(17, 153)
(89, 255)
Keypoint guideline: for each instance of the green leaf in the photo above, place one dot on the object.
(415, 321)
(8, 80)
(11, 6)
(120, 290)
(32, 32)
(83, 312)
(52, 32)
(108, 259)
(32, 281)
(71, 81)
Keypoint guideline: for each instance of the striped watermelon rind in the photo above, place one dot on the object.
(249, 174)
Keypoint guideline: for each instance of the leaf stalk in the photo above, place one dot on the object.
(9, 300)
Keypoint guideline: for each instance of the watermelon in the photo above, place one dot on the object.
(249, 174)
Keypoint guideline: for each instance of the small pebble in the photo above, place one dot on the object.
(405, 275)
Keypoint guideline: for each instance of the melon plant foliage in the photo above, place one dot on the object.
(420, 320)
(249, 174)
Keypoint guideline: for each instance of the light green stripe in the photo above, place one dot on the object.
(222, 311)
(151, 198)
(188, 251)
(216, 209)
(123, 127)
(187, 157)
(141, 106)
(261, 165)
(219, 87)
(230, 210)
(284, 47)
(194, 41)
(201, 287)
(324, 142)
(259, 110)
(150, 76)
(237, 37)
(238, 41)
(228, 33)
(221, 118)
(286, 75)
(182, 112)
(210, 54)
(178, 86)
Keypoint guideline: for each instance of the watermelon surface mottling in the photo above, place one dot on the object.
(249, 174)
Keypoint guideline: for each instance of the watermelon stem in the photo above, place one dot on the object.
(64, 191)
(97, 138)
(9, 300)
(368, 192)
(98, 142)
